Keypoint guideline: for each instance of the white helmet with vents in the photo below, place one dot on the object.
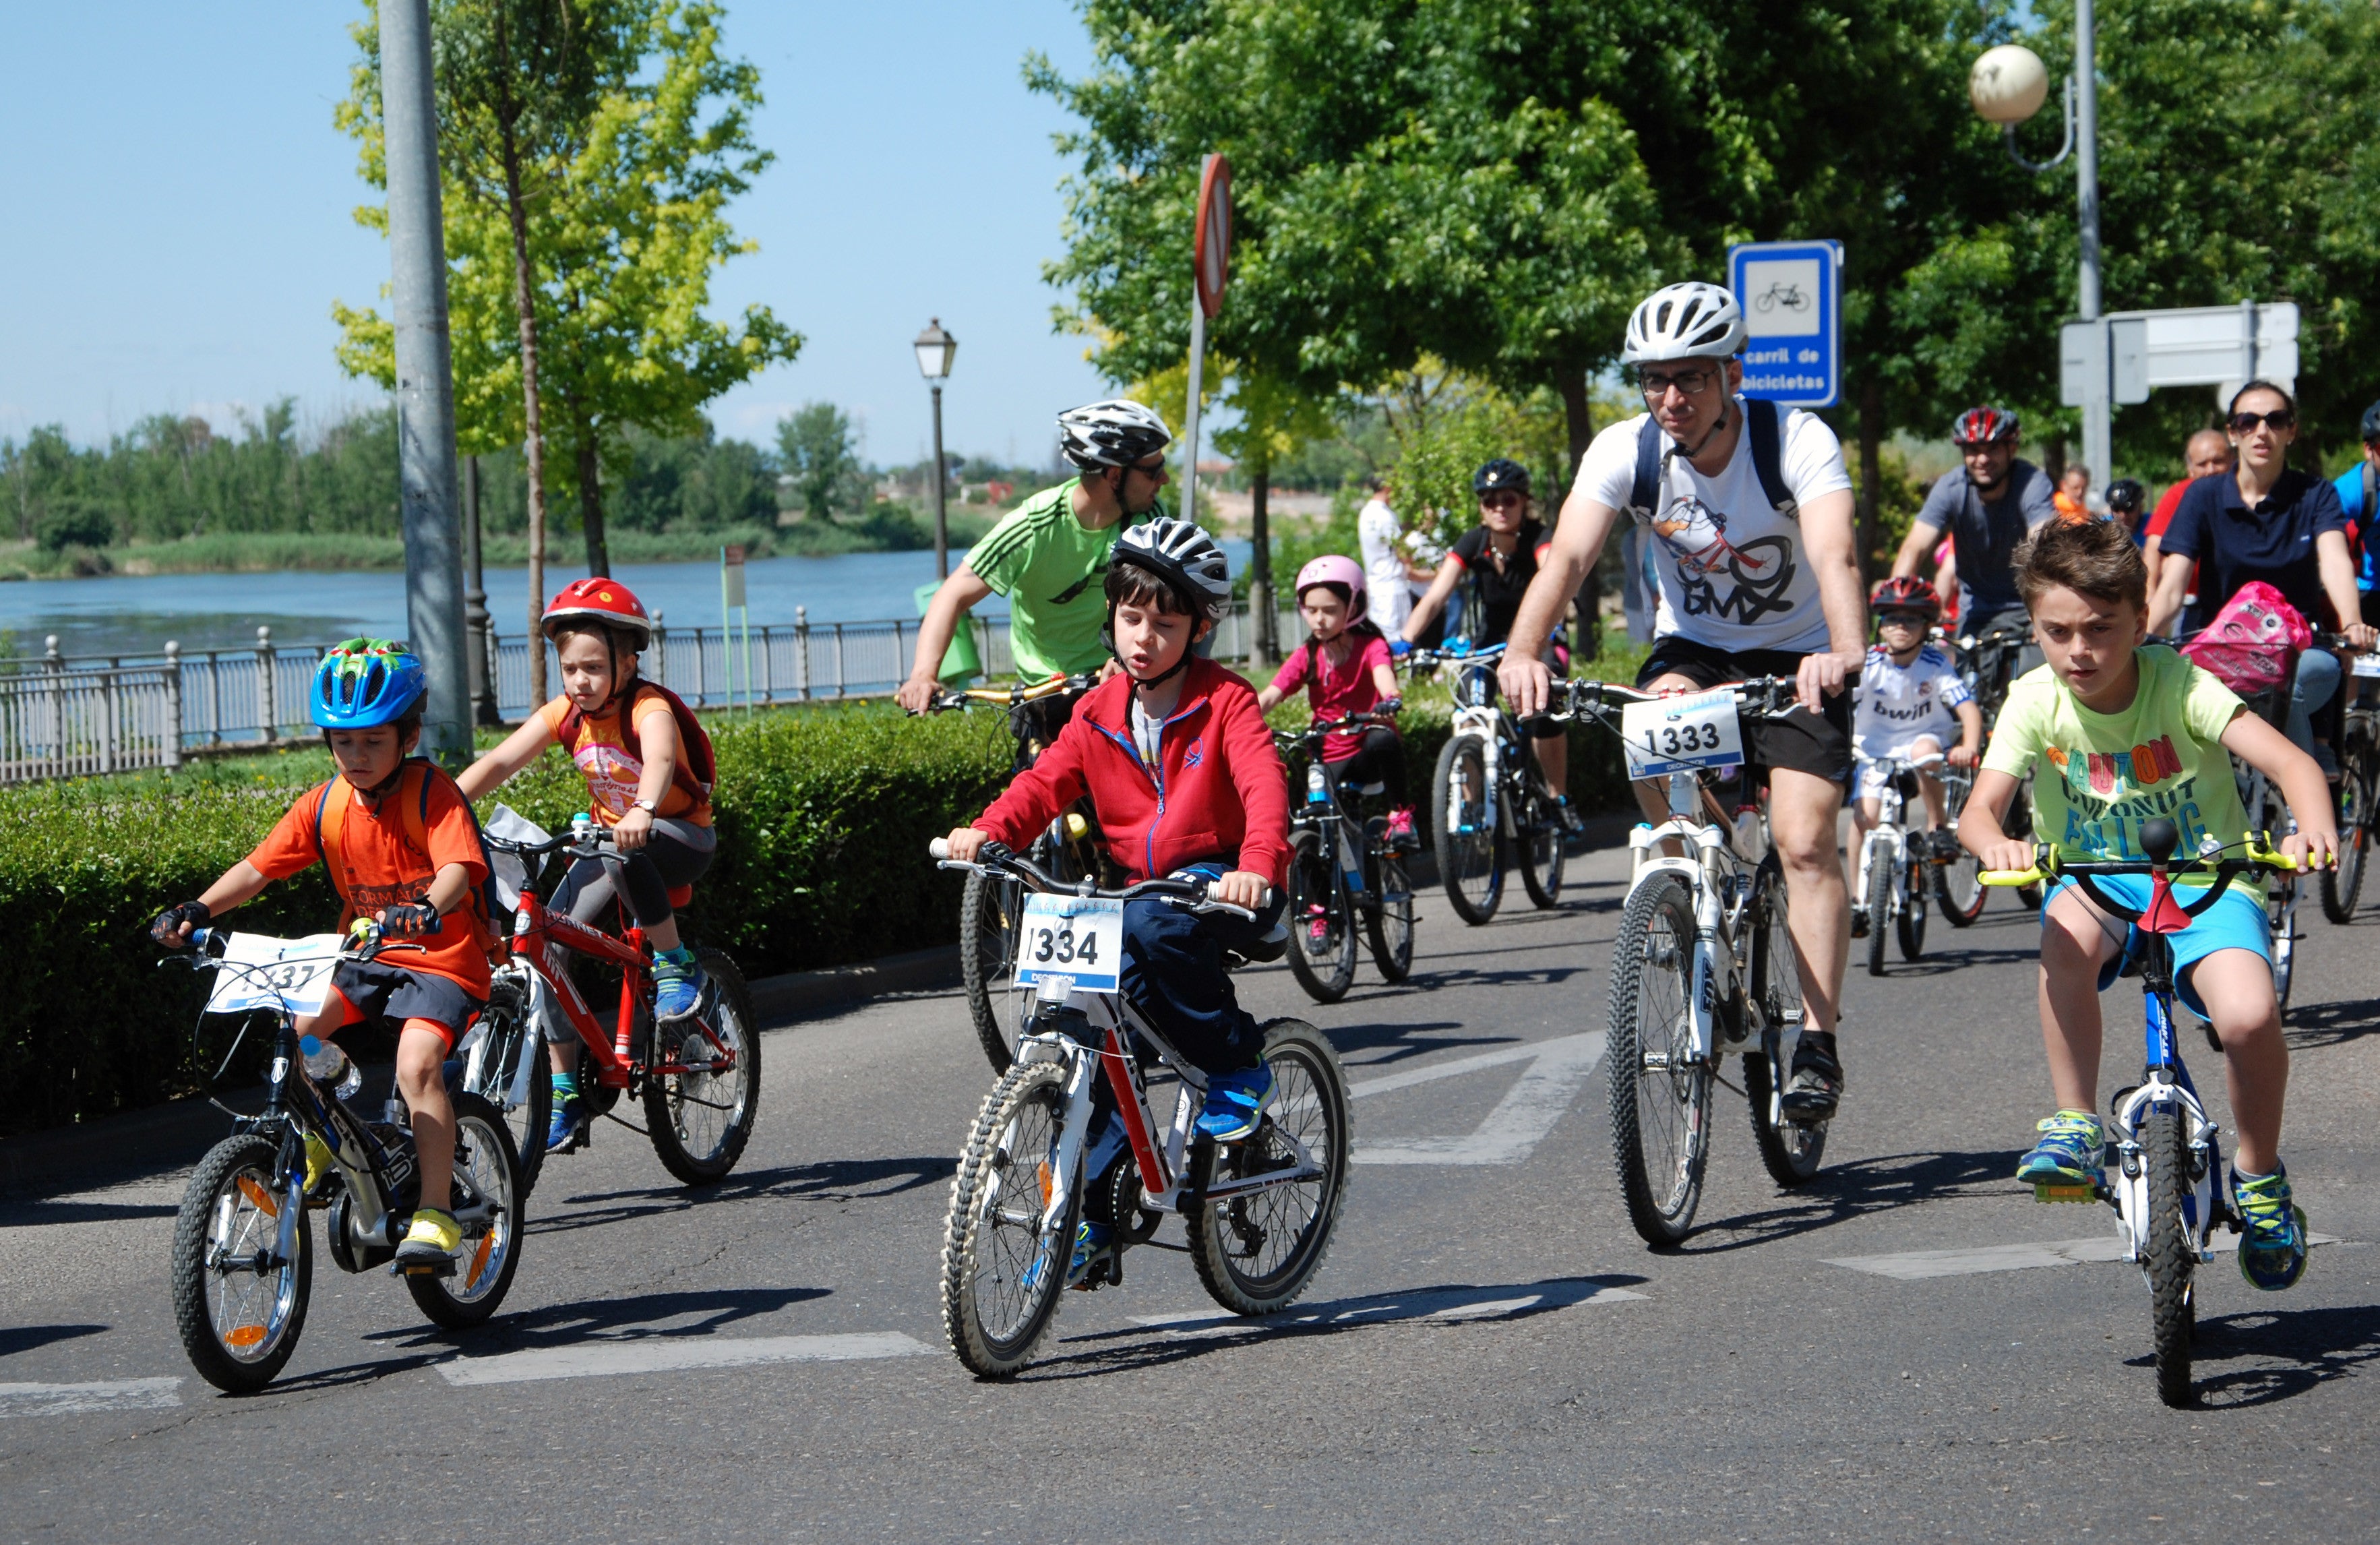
(1112, 434)
(1185, 557)
(1692, 320)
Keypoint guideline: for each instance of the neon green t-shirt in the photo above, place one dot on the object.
(1054, 573)
(2099, 776)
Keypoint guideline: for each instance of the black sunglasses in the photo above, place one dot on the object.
(2279, 417)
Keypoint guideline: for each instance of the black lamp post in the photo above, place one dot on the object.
(936, 349)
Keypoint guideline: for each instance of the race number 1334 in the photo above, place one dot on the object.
(1081, 937)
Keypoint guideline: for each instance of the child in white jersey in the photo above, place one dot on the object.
(1911, 700)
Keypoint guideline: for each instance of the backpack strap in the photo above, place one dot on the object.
(1643, 494)
(1766, 425)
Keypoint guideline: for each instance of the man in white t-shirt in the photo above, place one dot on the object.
(1746, 590)
(1387, 568)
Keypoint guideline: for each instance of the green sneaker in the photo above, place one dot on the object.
(2272, 1230)
(2065, 1165)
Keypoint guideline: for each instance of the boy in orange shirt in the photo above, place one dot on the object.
(409, 870)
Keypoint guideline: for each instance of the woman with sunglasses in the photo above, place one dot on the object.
(2270, 521)
(1495, 561)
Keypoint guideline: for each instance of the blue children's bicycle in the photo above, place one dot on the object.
(2168, 1189)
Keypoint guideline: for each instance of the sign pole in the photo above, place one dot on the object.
(1190, 414)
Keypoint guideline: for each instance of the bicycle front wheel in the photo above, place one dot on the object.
(1911, 924)
(1789, 1151)
(1321, 929)
(239, 1305)
(1256, 1251)
(1880, 905)
(2281, 910)
(1540, 835)
(2341, 886)
(700, 1115)
(1660, 1093)
(1470, 848)
(1004, 1274)
(487, 1199)
(2169, 1260)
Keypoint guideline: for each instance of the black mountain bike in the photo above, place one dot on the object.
(1341, 870)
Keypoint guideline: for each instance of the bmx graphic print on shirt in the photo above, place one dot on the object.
(1756, 575)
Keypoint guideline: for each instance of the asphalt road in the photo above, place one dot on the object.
(1488, 1353)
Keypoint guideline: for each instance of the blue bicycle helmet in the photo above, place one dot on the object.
(366, 681)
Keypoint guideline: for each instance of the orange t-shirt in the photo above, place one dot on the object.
(383, 868)
(613, 763)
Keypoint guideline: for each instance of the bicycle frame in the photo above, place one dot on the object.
(540, 934)
(1714, 874)
(2164, 1086)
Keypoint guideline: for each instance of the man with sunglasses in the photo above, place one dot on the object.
(2269, 521)
(1986, 507)
(1049, 557)
(1750, 520)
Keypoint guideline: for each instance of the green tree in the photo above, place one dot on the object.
(819, 452)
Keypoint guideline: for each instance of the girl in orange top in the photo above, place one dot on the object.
(642, 782)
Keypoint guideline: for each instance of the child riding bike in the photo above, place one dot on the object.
(1346, 668)
(1911, 698)
(2117, 735)
(1179, 761)
(403, 850)
(648, 765)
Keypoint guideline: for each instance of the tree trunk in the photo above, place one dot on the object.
(1260, 601)
(591, 501)
(533, 440)
(1871, 450)
(1578, 419)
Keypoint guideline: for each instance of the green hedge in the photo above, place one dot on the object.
(823, 816)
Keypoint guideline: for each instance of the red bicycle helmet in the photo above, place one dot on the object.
(604, 601)
(1907, 593)
(1983, 426)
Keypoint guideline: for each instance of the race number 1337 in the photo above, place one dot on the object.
(1674, 734)
(1081, 937)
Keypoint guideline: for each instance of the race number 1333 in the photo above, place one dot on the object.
(1675, 735)
(1080, 937)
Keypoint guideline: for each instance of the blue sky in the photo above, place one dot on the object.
(179, 213)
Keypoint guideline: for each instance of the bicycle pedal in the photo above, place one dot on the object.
(424, 1269)
(2049, 1193)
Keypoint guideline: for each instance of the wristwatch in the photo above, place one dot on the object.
(648, 807)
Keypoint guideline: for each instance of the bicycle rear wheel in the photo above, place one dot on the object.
(239, 1307)
(701, 1117)
(486, 1175)
(1660, 1098)
(1391, 923)
(2281, 910)
(515, 1060)
(1958, 885)
(1004, 1276)
(2341, 886)
(991, 911)
(2169, 1261)
(1325, 967)
(1540, 834)
(1256, 1252)
(1790, 1150)
(1470, 848)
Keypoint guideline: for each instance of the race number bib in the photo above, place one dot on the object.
(1681, 734)
(259, 972)
(1080, 937)
(2367, 665)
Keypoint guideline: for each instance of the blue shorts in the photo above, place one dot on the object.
(2236, 922)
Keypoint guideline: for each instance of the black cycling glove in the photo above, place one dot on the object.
(167, 928)
(408, 919)
(1391, 706)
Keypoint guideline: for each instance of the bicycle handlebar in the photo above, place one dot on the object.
(1317, 730)
(1761, 697)
(2259, 857)
(1010, 697)
(1421, 658)
(998, 859)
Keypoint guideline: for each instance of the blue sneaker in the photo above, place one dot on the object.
(2065, 1165)
(1091, 1243)
(678, 983)
(1236, 1103)
(2272, 1230)
(568, 1128)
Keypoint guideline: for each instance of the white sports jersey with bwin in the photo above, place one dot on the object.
(1898, 703)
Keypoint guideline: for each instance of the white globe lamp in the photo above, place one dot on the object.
(2009, 84)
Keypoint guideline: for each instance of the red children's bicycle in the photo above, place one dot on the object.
(699, 1079)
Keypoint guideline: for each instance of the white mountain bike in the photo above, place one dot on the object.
(1704, 967)
(1890, 882)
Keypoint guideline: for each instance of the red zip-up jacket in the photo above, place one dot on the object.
(1218, 791)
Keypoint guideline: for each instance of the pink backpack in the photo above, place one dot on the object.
(2254, 643)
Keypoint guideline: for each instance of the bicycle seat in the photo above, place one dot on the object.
(1372, 790)
(1265, 951)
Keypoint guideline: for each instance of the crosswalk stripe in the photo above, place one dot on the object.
(1540, 1097)
(75, 1400)
(673, 1353)
(1919, 1265)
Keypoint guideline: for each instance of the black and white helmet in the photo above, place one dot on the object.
(1112, 434)
(1693, 320)
(1183, 556)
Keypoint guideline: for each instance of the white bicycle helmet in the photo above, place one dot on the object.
(1692, 320)
(1184, 556)
(1112, 434)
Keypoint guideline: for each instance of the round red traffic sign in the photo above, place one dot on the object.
(1212, 256)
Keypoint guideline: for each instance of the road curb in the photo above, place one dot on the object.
(839, 987)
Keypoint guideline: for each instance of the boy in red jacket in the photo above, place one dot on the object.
(1180, 765)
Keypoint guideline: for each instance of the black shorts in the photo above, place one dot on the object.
(377, 991)
(1819, 745)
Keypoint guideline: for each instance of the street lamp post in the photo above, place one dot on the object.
(936, 349)
(2009, 86)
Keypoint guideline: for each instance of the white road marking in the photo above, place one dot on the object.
(1520, 1120)
(672, 1354)
(1918, 1265)
(1444, 1304)
(75, 1400)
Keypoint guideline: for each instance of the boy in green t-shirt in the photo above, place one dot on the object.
(2117, 735)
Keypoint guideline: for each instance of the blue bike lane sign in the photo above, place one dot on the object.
(1791, 294)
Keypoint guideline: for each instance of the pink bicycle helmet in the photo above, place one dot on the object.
(1332, 569)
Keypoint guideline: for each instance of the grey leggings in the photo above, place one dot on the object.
(677, 855)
